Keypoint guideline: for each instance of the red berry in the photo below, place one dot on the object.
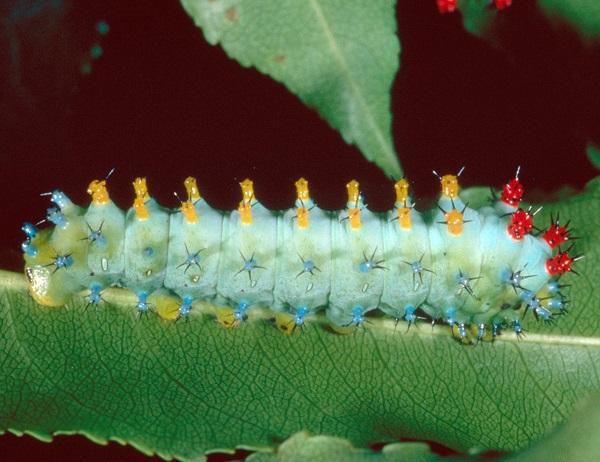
(446, 6)
(501, 4)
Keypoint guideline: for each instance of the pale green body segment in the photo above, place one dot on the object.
(106, 255)
(297, 283)
(455, 259)
(194, 251)
(247, 259)
(146, 243)
(403, 248)
(351, 285)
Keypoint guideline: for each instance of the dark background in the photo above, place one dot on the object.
(161, 102)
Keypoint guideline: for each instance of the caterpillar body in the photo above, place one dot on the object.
(476, 270)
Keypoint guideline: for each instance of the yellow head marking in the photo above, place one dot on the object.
(141, 196)
(401, 188)
(245, 207)
(404, 218)
(455, 221)
(302, 190)
(97, 189)
(193, 193)
(450, 187)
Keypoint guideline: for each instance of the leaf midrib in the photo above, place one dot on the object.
(347, 75)
(17, 281)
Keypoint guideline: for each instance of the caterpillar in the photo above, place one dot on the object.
(475, 270)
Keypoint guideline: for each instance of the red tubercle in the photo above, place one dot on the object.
(501, 4)
(556, 235)
(521, 223)
(446, 6)
(512, 192)
(559, 264)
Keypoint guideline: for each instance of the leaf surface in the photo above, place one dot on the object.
(339, 56)
(583, 15)
(180, 389)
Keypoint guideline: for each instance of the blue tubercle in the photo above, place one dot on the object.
(309, 266)
(409, 314)
(300, 314)
(142, 304)
(462, 330)
(57, 217)
(480, 331)
(557, 303)
(186, 306)
(450, 315)
(60, 199)
(29, 229)
(94, 297)
(63, 261)
(358, 315)
(516, 326)
(250, 264)
(240, 313)
(28, 248)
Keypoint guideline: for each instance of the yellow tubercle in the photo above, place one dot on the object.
(193, 193)
(354, 218)
(302, 215)
(353, 191)
(401, 188)
(245, 207)
(189, 212)
(141, 196)
(354, 198)
(97, 189)
(455, 221)
(302, 190)
(247, 190)
(141, 211)
(140, 188)
(245, 213)
(404, 220)
(450, 186)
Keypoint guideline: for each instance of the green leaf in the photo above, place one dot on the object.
(584, 15)
(338, 56)
(594, 155)
(304, 448)
(180, 389)
(477, 15)
(575, 440)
